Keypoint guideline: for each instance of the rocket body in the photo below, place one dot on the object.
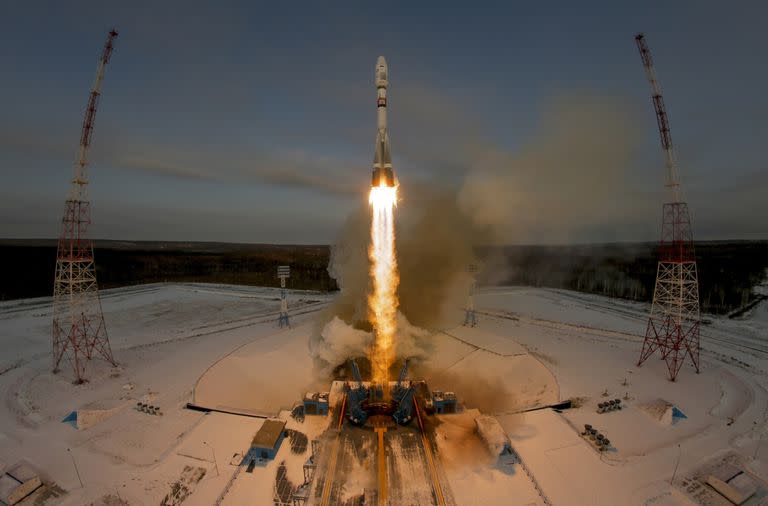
(382, 160)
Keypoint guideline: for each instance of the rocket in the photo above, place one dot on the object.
(382, 161)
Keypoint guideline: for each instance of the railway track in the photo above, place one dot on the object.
(434, 476)
(333, 458)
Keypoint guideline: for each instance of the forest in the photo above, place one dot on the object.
(728, 270)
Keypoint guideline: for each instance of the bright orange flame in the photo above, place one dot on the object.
(382, 302)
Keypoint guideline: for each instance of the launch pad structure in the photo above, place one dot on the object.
(365, 430)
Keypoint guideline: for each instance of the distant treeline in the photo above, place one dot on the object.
(728, 270)
(28, 266)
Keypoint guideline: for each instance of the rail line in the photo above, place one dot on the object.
(333, 458)
(430, 458)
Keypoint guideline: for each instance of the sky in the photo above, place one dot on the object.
(254, 122)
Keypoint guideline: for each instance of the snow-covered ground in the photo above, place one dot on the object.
(164, 337)
(220, 346)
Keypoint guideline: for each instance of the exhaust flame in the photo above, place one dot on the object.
(382, 302)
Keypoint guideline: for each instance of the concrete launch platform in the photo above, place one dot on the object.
(350, 465)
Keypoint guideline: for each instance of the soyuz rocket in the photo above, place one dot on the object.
(382, 161)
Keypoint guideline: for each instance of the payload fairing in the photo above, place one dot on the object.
(382, 161)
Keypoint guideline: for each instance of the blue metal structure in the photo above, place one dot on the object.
(399, 391)
(355, 397)
(404, 412)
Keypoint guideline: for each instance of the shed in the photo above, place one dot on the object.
(493, 436)
(267, 440)
(316, 403)
(443, 402)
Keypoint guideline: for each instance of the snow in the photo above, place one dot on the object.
(484, 377)
(164, 336)
(261, 377)
(475, 475)
(219, 346)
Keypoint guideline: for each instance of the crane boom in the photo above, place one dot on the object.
(673, 182)
(90, 113)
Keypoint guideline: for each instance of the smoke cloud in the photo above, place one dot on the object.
(573, 176)
(564, 180)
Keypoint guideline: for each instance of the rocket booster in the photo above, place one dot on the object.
(382, 161)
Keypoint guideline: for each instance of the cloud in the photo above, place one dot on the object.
(295, 170)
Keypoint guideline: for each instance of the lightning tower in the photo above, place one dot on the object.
(673, 325)
(283, 272)
(79, 331)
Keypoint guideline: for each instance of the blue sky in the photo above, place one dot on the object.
(253, 122)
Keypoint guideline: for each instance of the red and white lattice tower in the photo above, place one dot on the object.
(79, 331)
(673, 326)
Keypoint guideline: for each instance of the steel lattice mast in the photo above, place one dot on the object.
(283, 272)
(470, 317)
(79, 331)
(673, 325)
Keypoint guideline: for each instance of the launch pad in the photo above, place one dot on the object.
(393, 399)
(376, 451)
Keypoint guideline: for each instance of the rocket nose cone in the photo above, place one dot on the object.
(381, 72)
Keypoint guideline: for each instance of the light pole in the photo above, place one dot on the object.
(679, 454)
(213, 452)
(76, 470)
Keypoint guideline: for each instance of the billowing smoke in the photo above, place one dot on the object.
(434, 245)
(474, 391)
(574, 177)
(562, 180)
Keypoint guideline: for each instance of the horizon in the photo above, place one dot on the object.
(331, 244)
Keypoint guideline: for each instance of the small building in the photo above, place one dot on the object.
(493, 435)
(443, 402)
(316, 403)
(267, 440)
